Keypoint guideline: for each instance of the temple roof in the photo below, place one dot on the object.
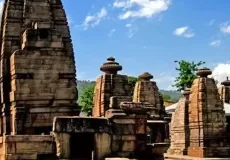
(204, 72)
(226, 82)
(146, 76)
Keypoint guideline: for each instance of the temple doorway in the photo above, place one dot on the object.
(82, 146)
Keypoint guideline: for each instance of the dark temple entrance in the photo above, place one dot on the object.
(82, 146)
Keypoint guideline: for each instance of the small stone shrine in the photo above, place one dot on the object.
(203, 129)
(147, 91)
(224, 91)
(111, 89)
(207, 121)
(179, 130)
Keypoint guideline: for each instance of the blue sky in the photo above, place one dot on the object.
(148, 35)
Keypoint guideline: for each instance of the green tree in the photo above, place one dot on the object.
(166, 97)
(86, 99)
(132, 81)
(186, 74)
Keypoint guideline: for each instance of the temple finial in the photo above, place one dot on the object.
(111, 67)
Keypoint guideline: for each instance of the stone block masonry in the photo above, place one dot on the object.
(38, 75)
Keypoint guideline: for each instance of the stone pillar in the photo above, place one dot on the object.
(207, 121)
(63, 145)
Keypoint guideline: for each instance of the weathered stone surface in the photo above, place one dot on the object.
(66, 128)
(110, 87)
(129, 134)
(26, 147)
(37, 65)
(65, 124)
(147, 91)
(207, 122)
(179, 130)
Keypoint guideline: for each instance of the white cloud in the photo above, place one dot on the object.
(131, 30)
(141, 8)
(212, 22)
(165, 81)
(184, 32)
(225, 27)
(112, 32)
(215, 43)
(221, 72)
(94, 20)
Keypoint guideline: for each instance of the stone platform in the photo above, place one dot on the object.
(26, 147)
(178, 157)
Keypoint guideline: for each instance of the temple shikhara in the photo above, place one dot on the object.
(40, 119)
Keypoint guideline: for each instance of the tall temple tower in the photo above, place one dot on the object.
(37, 66)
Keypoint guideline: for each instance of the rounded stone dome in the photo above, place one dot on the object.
(110, 66)
(146, 76)
(204, 72)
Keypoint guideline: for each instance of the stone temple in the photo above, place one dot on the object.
(39, 111)
(199, 126)
(35, 40)
(39, 114)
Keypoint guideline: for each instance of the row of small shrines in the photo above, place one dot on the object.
(133, 126)
(198, 126)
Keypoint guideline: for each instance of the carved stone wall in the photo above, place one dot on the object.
(37, 66)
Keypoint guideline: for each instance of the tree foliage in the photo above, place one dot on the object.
(186, 74)
(166, 97)
(86, 99)
(132, 82)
